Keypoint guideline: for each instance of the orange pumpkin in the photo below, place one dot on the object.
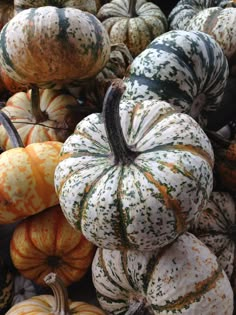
(53, 116)
(46, 243)
(56, 304)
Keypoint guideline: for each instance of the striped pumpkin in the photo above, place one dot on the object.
(54, 119)
(215, 227)
(183, 278)
(91, 6)
(134, 181)
(219, 22)
(53, 46)
(46, 243)
(26, 180)
(58, 303)
(186, 69)
(6, 286)
(132, 22)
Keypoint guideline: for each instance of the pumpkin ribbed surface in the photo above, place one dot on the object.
(135, 27)
(184, 278)
(46, 243)
(149, 202)
(53, 46)
(59, 120)
(91, 6)
(215, 227)
(187, 69)
(26, 180)
(45, 305)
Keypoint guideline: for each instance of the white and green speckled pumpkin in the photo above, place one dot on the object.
(217, 21)
(133, 22)
(215, 226)
(136, 181)
(187, 69)
(51, 47)
(183, 278)
(91, 6)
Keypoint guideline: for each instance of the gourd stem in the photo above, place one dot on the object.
(122, 153)
(35, 105)
(132, 8)
(11, 131)
(60, 294)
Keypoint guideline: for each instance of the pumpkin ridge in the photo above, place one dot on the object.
(87, 193)
(201, 288)
(94, 142)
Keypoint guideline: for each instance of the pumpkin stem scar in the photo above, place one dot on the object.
(11, 131)
(122, 153)
(60, 294)
(139, 307)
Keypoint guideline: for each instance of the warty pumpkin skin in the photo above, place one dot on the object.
(183, 278)
(132, 22)
(53, 47)
(46, 243)
(56, 120)
(27, 180)
(187, 69)
(91, 6)
(138, 184)
(215, 227)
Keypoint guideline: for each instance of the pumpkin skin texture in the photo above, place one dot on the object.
(57, 122)
(186, 69)
(91, 6)
(183, 278)
(146, 202)
(53, 46)
(134, 23)
(215, 226)
(47, 243)
(27, 180)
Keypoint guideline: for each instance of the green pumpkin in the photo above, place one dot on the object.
(183, 278)
(135, 175)
(187, 69)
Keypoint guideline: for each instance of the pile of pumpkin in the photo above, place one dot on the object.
(118, 157)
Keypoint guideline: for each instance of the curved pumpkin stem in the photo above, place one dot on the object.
(11, 131)
(123, 154)
(60, 294)
(35, 105)
(132, 8)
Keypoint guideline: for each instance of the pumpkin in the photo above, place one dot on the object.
(53, 46)
(46, 243)
(6, 286)
(91, 6)
(54, 118)
(27, 178)
(132, 22)
(55, 304)
(9, 84)
(215, 227)
(6, 12)
(23, 289)
(134, 181)
(182, 278)
(186, 69)
(219, 22)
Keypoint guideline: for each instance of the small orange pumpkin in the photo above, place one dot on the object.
(45, 243)
(56, 304)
